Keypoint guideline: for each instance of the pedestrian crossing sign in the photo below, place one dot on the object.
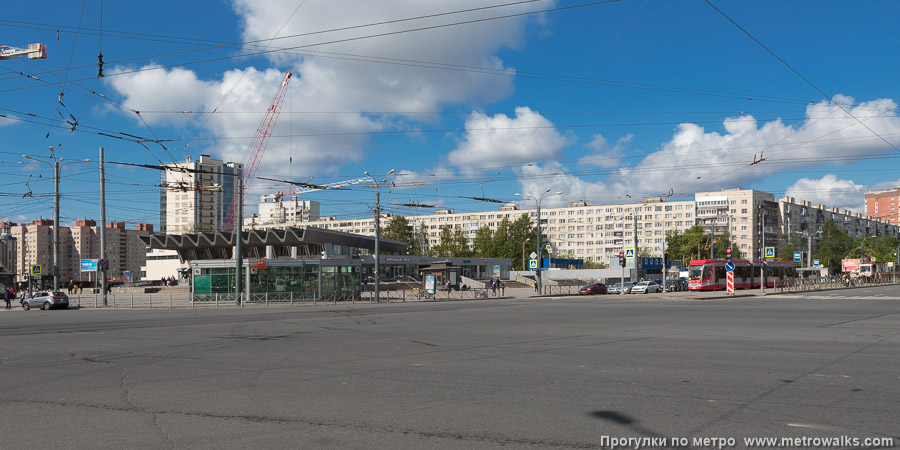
(532, 264)
(629, 253)
(36, 270)
(770, 252)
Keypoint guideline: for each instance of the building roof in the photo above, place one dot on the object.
(308, 240)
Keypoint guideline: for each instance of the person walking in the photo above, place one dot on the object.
(7, 295)
(70, 286)
(494, 288)
(502, 289)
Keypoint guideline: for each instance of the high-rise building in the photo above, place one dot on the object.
(278, 209)
(883, 205)
(191, 202)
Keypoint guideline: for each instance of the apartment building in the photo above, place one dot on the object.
(883, 205)
(279, 209)
(125, 250)
(753, 218)
(191, 201)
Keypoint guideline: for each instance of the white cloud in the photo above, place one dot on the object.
(7, 121)
(605, 155)
(497, 141)
(830, 191)
(697, 160)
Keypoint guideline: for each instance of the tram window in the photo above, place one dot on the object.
(695, 272)
(720, 272)
(707, 272)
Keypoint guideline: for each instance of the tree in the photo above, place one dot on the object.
(419, 244)
(787, 245)
(836, 243)
(398, 230)
(444, 247)
(459, 244)
(723, 241)
(591, 264)
(483, 245)
(881, 248)
(644, 252)
(691, 243)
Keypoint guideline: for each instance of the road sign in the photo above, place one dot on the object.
(629, 253)
(102, 263)
(532, 255)
(532, 264)
(815, 263)
(729, 266)
(798, 256)
(770, 252)
(549, 249)
(36, 270)
(89, 265)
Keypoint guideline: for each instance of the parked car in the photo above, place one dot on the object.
(617, 288)
(46, 300)
(645, 287)
(595, 288)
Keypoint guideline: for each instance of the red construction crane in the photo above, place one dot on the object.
(257, 148)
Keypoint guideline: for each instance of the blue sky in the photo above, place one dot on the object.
(628, 98)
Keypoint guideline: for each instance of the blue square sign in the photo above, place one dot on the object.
(798, 256)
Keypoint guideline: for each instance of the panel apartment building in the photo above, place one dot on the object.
(190, 202)
(753, 218)
(125, 250)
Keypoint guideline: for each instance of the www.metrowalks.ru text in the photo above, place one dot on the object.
(751, 442)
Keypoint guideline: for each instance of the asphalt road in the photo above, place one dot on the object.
(519, 373)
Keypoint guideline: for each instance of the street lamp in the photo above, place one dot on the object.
(537, 201)
(56, 166)
(378, 228)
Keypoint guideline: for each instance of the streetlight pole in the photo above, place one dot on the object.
(378, 231)
(56, 166)
(238, 241)
(539, 253)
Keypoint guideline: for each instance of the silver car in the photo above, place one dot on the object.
(617, 288)
(46, 300)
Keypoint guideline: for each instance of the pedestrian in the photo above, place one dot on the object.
(448, 285)
(75, 288)
(108, 288)
(502, 289)
(7, 295)
(70, 286)
(494, 287)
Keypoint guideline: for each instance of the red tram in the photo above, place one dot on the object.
(709, 274)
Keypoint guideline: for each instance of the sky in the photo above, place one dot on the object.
(606, 101)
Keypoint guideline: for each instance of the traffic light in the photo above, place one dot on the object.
(622, 259)
(728, 255)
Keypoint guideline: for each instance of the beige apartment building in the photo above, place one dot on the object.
(597, 232)
(125, 250)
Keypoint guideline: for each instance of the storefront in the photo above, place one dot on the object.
(281, 279)
(408, 266)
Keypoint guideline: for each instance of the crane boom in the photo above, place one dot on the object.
(34, 51)
(276, 196)
(257, 148)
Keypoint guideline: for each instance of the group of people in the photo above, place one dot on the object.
(8, 294)
(169, 281)
(498, 284)
(73, 287)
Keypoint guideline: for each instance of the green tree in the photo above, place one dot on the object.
(398, 229)
(589, 264)
(723, 241)
(459, 244)
(836, 243)
(445, 246)
(483, 244)
(692, 243)
(881, 248)
(419, 244)
(787, 245)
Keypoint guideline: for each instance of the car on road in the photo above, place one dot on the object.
(646, 287)
(617, 288)
(46, 300)
(594, 288)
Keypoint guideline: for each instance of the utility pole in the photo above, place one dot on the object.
(762, 252)
(622, 285)
(238, 238)
(55, 222)
(665, 269)
(809, 251)
(103, 273)
(378, 232)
